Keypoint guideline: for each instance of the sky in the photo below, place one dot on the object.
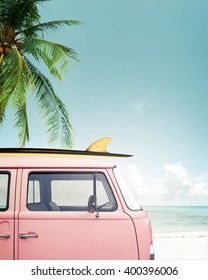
(142, 79)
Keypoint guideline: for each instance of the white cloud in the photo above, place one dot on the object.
(176, 172)
(135, 180)
(133, 175)
(176, 181)
(141, 188)
(176, 186)
(200, 189)
(141, 106)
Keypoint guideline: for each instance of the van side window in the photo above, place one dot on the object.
(68, 192)
(4, 191)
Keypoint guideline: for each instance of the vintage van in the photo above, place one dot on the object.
(59, 204)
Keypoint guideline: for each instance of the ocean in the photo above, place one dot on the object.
(170, 219)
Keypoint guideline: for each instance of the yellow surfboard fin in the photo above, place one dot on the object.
(99, 145)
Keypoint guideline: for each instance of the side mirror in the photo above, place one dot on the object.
(92, 202)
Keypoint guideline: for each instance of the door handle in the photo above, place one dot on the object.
(5, 235)
(24, 235)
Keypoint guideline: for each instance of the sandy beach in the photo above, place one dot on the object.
(181, 246)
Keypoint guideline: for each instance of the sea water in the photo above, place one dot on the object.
(172, 219)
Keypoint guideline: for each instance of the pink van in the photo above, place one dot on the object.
(55, 205)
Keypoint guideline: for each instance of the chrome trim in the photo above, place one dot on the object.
(152, 252)
(24, 235)
(5, 236)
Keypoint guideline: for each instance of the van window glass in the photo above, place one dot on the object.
(4, 191)
(128, 196)
(33, 191)
(69, 192)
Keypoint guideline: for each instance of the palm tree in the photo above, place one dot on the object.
(21, 38)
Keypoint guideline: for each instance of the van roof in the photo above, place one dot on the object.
(52, 158)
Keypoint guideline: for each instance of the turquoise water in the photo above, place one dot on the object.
(178, 218)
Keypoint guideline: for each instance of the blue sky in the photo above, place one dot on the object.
(142, 79)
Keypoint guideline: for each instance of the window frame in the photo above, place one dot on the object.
(47, 196)
(8, 190)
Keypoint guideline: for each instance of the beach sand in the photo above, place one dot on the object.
(181, 246)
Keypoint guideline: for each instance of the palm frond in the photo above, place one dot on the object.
(52, 108)
(54, 55)
(21, 119)
(4, 99)
(19, 14)
(19, 25)
(2, 115)
(15, 80)
(46, 26)
(14, 73)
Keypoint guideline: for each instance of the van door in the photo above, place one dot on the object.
(7, 196)
(55, 221)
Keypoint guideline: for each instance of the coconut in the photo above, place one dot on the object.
(7, 50)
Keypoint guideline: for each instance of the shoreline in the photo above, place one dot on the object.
(181, 245)
(181, 234)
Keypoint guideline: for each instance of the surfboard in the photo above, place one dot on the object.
(97, 148)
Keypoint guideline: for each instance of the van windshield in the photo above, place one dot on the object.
(129, 198)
